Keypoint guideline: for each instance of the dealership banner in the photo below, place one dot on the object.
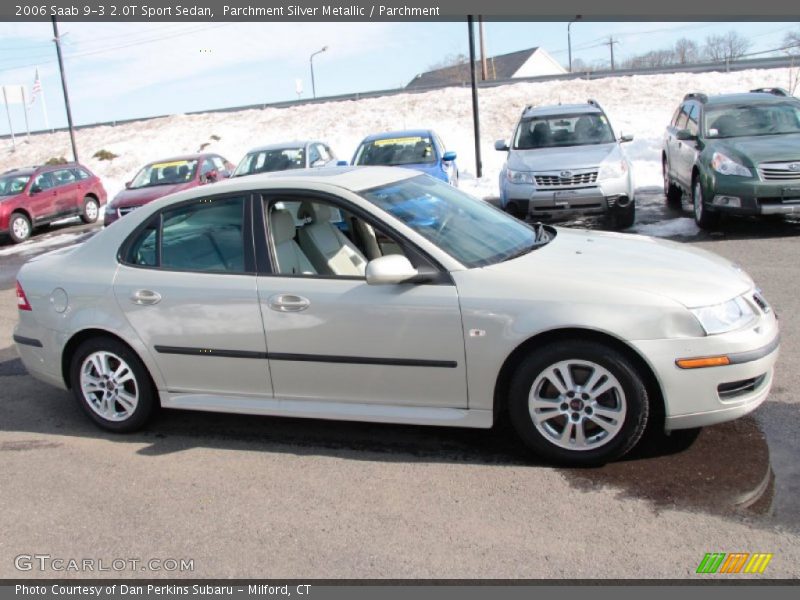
(392, 10)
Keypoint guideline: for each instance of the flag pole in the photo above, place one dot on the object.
(10, 126)
(25, 108)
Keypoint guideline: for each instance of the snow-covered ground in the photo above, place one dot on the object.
(640, 105)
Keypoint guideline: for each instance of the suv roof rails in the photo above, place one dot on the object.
(593, 102)
(696, 96)
(775, 91)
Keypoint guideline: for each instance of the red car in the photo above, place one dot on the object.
(36, 196)
(164, 177)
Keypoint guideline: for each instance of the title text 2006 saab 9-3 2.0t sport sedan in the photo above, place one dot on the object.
(380, 294)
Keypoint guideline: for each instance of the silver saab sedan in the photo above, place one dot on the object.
(379, 294)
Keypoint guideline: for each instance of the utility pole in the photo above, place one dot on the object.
(475, 118)
(64, 85)
(610, 43)
(484, 68)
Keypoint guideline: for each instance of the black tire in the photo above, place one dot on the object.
(90, 210)
(671, 191)
(19, 228)
(628, 381)
(140, 382)
(702, 216)
(622, 218)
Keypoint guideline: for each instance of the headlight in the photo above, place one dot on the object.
(727, 166)
(519, 176)
(728, 316)
(612, 169)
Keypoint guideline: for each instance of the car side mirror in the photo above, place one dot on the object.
(128, 185)
(342, 163)
(209, 177)
(35, 189)
(501, 146)
(625, 138)
(685, 135)
(390, 269)
(449, 156)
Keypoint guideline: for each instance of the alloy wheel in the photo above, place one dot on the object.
(109, 386)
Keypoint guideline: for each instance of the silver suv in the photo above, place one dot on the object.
(563, 161)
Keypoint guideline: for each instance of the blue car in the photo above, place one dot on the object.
(419, 149)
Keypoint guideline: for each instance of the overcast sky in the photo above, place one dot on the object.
(128, 70)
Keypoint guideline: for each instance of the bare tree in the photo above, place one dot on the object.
(686, 51)
(650, 60)
(791, 42)
(729, 46)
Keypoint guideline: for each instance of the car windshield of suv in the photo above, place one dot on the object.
(165, 173)
(774, 118)
(277, 159)
(470, 230)
(411, 150)
(13, 184)
(563, 130)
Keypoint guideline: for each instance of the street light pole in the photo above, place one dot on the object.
(569, 39)
(57, 40)
(311, 63)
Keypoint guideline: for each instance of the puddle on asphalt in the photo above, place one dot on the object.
(726, 470)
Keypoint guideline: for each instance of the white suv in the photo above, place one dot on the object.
(563, 161)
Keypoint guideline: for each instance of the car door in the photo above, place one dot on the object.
(671, 145)
(43, 203)
(187, 287)
(688, 149)
(67, 190)
(335, 338)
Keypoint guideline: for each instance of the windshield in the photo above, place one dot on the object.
(165, 173)
(563, 130)
(277, 159)
(13, 184)
(774, 118)
(411, 150)
(470, 230)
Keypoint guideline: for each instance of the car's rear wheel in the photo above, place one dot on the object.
(19, 227)
(702, 216)
(671, 191)
(112, 385)
(91, 210)
(578, 403)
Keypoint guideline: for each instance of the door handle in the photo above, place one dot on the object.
(145, 297)
(288, 303)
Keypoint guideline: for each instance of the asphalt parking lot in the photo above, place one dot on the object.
(248, 496)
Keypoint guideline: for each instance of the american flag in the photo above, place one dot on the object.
(37, 88)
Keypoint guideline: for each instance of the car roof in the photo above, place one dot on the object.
(34, 168)
(398, 134)
(20, 171)
(282, 146)
(748, 98)
(562, 109)
(196, 156)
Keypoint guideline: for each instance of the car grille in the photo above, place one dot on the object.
(125, 210)
(780, 171)
(559, 180)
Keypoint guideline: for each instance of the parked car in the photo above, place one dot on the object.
(166, 176)
(735, 154)
(564, 161)
(430, 307)
(35, 196)
(310, 154)
(420, 149)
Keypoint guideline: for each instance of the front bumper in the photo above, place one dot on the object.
(525, 199)
(705, 396)
(756, 197)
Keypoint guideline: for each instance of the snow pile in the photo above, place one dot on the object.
(639, 105)
(683, 226)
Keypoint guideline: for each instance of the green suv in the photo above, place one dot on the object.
(734, 153)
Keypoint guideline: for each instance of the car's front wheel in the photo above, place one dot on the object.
(702, 216)
(578, 403)
(622, 217)
(112, 385)
(91, 210)
(19, 228)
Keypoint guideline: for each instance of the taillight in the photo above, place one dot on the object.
(22, 301)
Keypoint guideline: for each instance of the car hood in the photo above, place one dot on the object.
(762, 148)
(684, 274)
(557, 159)
(140, 196)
